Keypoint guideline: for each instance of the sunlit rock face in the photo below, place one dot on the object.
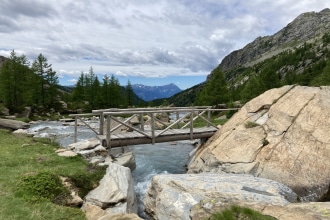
(282, 135)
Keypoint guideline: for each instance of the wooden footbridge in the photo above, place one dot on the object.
(134, 126)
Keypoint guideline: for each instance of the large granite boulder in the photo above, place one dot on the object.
(282, 135)
(115, 193)
(172, 196)
(13, 124)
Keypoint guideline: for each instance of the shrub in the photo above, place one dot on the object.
(43, 186)
(251, 124)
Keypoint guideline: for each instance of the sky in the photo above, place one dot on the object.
(141, 41)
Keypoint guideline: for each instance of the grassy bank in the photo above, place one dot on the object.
(23, 157)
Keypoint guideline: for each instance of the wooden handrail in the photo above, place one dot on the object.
(109, 114)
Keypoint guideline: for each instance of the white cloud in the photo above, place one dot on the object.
(142, 38)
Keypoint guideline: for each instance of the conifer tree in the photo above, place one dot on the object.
(14, 78)
(46, 81)
(215, 90)
(129, 94)
(79, 93)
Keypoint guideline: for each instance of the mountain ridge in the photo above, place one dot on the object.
(306, 26)
(149, 93)
(239, 66)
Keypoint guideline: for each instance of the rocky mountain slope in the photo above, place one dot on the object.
(306, 27)
(301, 46)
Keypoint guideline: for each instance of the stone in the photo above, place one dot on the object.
(26, 113)
(135, 120)
(75, 200)
(85, 144)
(115, 193)
(96, 160)
(93, 212)
(63, 104)
(282, 135)
(172, 196)
(20, 131)
(13, 124)
(126, 159)
(67, 153)
(4, 111)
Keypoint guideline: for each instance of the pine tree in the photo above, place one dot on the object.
(79, 93)
(215, 90)
(116, 96)
(46, 81)
(14, 79)
(129, 94)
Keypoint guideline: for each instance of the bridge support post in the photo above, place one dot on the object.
(75, 128)
(101, 128)
(142, 122)
(191, 125)
(153, 128)
(108, 136)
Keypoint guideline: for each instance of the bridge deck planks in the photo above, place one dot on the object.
(134, 137)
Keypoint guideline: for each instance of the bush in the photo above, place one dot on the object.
(43, 186)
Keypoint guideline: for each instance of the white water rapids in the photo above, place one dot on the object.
(150, 159)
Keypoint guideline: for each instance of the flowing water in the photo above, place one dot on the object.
(160, 158)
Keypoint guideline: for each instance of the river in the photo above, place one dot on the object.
(160, 158)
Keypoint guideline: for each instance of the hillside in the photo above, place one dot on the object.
(306, 27)
(297, 54)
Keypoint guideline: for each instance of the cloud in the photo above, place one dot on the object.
(142, 38)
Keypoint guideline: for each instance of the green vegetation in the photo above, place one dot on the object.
(36, 85)
(22, 86)
(215, 90)
(240, 213)
(307, 64)
(29, 179)
(42, 186)
(251, 124)
(199, 122)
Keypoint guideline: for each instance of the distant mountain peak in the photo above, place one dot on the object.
(148, 93)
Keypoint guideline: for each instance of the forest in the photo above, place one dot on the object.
(37, 86)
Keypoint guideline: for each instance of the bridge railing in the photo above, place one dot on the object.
(184, 119)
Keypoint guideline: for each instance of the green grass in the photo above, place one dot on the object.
(200, 122)
(240, 213)
(24, 157)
